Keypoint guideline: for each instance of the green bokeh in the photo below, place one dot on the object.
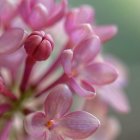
(126, 15)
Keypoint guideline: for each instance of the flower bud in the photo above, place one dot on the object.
(39, 45)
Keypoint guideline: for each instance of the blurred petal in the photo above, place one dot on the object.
(100, 73)
(66, 60)
(58, 102)
(85, 92)
(79, 125)
(77, 16)
(106, 33)
(87, 50)
(38, 16)
(57, 13)
(4, 108)
(11, 40)
(34, 124)
(5, 132)
(115, 98)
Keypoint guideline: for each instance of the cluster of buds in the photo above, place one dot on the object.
(55, 84)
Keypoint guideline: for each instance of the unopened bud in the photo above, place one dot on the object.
(39, 45)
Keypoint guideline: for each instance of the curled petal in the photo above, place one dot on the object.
(81, 32)
(66, 60)
(79, 125)
(34, 124)
(57, 13)
(87, 50)
(82, 15)
(4, 134)
(37, 16)
(58, 102)
(100, 73)
(87, 91)
(11, 40)
(106, 33)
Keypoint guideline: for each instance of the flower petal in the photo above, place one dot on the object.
(57, 13)
(81, 32)
(66, 60)
(106, 33)
(100, 73)
(34, 124)
(4, 134)
(79, 125)
(87, 50)
(58, 102)
(54, 136)
(37, 16)
(115, 97)
(77, 16)
(11, 40)
(85, 92)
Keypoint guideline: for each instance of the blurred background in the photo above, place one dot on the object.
(126, 46)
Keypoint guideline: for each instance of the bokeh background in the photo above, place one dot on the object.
(126, 46)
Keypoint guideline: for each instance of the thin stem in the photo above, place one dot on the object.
(27, 71)
(63, 78)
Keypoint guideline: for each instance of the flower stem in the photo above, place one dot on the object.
(27, 71)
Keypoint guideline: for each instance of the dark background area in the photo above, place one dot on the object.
(126, 46)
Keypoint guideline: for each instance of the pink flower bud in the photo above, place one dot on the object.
(39, 45)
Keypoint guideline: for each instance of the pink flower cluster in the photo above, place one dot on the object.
(49, 54)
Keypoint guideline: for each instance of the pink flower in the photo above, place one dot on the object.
(83, 71)
(56, 122)
(42, 13)
(86, 14)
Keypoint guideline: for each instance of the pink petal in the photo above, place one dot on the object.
(38, 16)
(11, 40)
(106, 33)
(5, 132)
(66, 60)
(7, 11)
(81, 32)
(87, 50)
(57, 13)
(100, 73)
(82, 15)
(58, 102)
(85, 92)
(34, 124)
(115, 97)
(79, 125)
(54, 136)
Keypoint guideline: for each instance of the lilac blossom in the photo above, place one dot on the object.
(83, 72)
(38, 72)
(56, 122)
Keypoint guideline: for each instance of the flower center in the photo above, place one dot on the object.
(49, 124)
